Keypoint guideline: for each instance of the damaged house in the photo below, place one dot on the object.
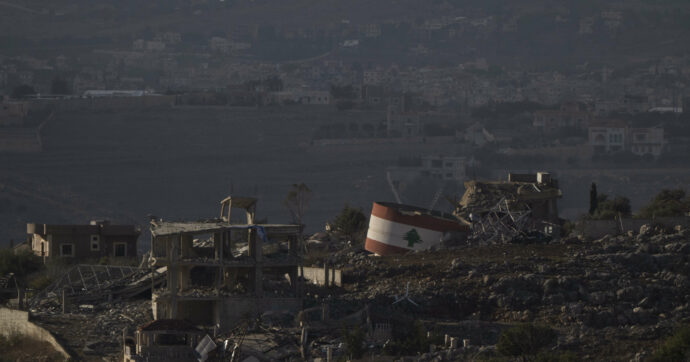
(163, 340)
(220, 271)
(80, 242)
(505, 211)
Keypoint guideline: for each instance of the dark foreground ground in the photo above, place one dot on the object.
(613, 299)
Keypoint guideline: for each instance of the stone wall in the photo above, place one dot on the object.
(318, 275)
(13, 322)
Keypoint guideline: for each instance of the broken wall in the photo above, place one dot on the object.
(14, 321)
(235, 309)
(319, 275)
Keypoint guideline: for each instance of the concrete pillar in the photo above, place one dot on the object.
(185, 276)
(20, 298)
(325, 312)
(465, 343)
(304, 343)
(453, 343)
(259, 244)
(64, 300)
(325, 275)
(223, 238)
(294, 281)
(217, 243)
(251, 243)
(446, 341)
(217, 309)
(292, 245)
(186, 243)
(259, 281)
(329, 354)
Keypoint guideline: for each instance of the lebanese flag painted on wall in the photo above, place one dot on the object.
(393, 232)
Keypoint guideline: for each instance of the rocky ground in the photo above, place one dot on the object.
(94, 332)
(612, 299)
(609, 299)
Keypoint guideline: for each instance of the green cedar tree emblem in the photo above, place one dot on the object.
(412, 238)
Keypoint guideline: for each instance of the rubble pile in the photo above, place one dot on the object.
(93, 331)
(603, 296)
(113, 283)
(613, 299)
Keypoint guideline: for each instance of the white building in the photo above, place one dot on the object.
(607, 136)
(615, 136)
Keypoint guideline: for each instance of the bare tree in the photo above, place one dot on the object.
(297, 201)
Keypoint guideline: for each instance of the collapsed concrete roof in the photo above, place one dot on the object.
(482, 196)
(179, 325)
(162, 228)
(519, 191)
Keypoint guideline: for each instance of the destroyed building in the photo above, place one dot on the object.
(398, 228)
(163, 340)
(506, 210)
(79, 242)
(220, 271)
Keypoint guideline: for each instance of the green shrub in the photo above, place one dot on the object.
(525, 340)
(567, 228)
(40, 282)
(411, 339)
(350, 221)
(666, 203)
(676, 347)
(354, 342)
(21, 263)
(608, 209)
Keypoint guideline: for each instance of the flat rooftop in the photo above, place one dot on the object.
(163, 228)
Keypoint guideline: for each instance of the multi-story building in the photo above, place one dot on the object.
(569, 116)
(646, 141)
(607, 136)
(80, 242)
(444, 167)
(220, 271)
(401, 123)
(611, 136)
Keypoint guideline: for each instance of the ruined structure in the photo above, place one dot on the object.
(398, 228)
(507, 210)
(80, 242)
(163, 340)
(220, 271)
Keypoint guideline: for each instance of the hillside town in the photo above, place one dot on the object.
(399, 180)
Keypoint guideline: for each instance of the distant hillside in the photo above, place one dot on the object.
(536, 32)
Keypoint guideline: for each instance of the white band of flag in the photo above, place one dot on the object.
(402, 235)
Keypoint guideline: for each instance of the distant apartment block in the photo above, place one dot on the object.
(372, 77)
(308, 97)
(401, 123)
(79, 242)
(13, 113)
(612, 136)
(645, 141)
(569, 116)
